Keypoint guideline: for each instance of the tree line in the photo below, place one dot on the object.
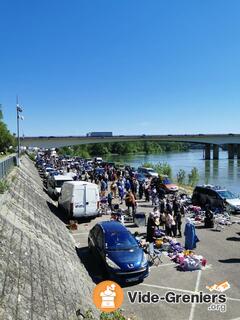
(101, 149)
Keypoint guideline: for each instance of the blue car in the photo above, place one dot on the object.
(119, 251)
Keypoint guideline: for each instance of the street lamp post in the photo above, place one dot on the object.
(19, 110)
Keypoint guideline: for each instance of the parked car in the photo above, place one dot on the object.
(99, 171)
(119, 251)
(140, 177)
(79, 199)
(167, 185)
(98, 160)
(55, 183)
(215, 197)
(47, 171)
(148, 172)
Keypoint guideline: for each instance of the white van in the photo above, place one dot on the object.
(55, 183)
(79, 199)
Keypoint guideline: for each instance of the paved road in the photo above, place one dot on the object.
(222, 250)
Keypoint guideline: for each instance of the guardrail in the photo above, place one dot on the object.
(6, 165)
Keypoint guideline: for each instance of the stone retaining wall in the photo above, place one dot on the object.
(41, 276)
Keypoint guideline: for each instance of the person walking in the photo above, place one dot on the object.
(209, 218)
(110, 198)
(163, 220)
(103, 187)
(178, 221)
(150, 228)
(169, 224)
(121, 193)
(140, 190)
(146, 191)
(163, 205)
(130, 202)
(113, 188)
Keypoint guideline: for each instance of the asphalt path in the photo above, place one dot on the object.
(220, 248)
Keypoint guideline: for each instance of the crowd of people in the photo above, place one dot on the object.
(121, 186)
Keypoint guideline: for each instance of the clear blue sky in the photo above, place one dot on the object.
(127, 66)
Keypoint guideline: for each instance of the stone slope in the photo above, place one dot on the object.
(41, 276)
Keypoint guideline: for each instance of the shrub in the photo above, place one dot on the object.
(3, 186)
(193, 177)
(181, 176)
(161, 168)
(116, 315)
(32, 156)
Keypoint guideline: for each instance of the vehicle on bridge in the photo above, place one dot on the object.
(99, 134)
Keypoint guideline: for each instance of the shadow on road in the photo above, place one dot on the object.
(233, 239)
(201, 227)
(58, 213)
(232, 260)
(145, 206)
(95, 268)
(92, 265)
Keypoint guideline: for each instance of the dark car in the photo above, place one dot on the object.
(140, 177)
(119, 251)
(99, 171)
(215, 197)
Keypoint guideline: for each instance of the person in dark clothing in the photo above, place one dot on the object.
(176, 206)
(178, 220)
(183, 210)
(150, 228)
(161, 193)
(110, 198)
(163, 205)
(209, 219)
(140, 190)
(168, 207)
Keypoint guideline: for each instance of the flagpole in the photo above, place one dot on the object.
(19, 109)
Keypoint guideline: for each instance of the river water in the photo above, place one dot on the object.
(222, 172)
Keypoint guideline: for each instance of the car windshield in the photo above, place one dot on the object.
(59, 183)
(120, 241)
(150, 170)
(227, 195)
(167, 181)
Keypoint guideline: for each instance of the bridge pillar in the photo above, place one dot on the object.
(215, 152)
(238, 151)
(231, 151)
(207, 151)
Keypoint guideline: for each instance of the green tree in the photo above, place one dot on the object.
(161, 168)
(6, 138)
(181, 176)
(193, 177)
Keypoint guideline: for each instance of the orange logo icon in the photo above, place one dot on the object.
(108, 296)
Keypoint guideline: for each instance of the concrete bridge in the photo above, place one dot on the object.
(208, 140)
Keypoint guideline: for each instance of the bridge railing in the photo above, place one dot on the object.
(6, 165)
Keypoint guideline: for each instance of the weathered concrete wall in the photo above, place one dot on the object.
(41, 276)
